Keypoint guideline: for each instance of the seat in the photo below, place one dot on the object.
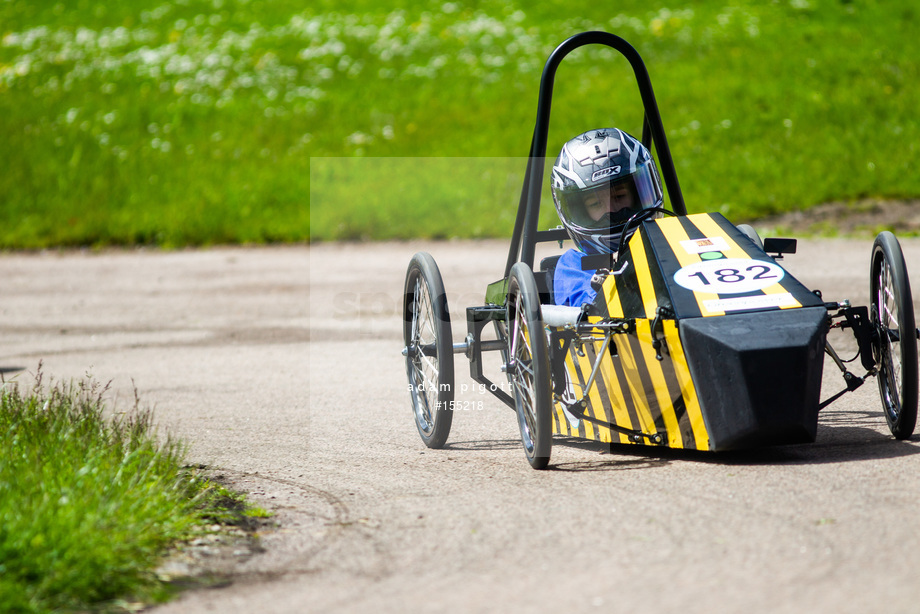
(544, 279)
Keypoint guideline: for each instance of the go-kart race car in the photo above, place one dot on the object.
(697, 338)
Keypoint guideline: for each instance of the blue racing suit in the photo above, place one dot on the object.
(571, 285)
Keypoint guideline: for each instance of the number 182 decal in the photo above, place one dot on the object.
(729, 276)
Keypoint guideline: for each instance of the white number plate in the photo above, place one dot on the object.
(729, 276)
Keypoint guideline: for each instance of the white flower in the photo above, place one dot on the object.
(359, 138)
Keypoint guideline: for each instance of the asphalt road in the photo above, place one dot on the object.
(281, 368)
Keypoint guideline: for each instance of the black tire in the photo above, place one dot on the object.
(528, 366)
(428, 350)
(748, 231)
(895, 346)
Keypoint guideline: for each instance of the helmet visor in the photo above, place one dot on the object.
(612, 203)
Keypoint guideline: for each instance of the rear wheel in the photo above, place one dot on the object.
(428, 350)
(895, 346)
(528, 366)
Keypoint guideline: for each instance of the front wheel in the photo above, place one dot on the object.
(748, 231)
(895, 344)
(428, 350)
(528, 366)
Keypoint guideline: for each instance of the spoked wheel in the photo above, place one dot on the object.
(429, 350)
(895, 348)
(748, 231)
(528, 366)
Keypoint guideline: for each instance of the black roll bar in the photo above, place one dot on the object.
(524, 237)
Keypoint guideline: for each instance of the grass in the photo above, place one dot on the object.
(194, 122)
(90, 503)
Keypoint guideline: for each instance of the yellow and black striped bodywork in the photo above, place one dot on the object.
(736, 368)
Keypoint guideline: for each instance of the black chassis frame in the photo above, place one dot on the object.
(525, 237)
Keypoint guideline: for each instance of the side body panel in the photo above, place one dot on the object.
(634, 390)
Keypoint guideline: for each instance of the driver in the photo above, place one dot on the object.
(600, 179)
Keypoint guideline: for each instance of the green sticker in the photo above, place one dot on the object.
(712, 255)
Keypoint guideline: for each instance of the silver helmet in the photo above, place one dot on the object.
(600, 179)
